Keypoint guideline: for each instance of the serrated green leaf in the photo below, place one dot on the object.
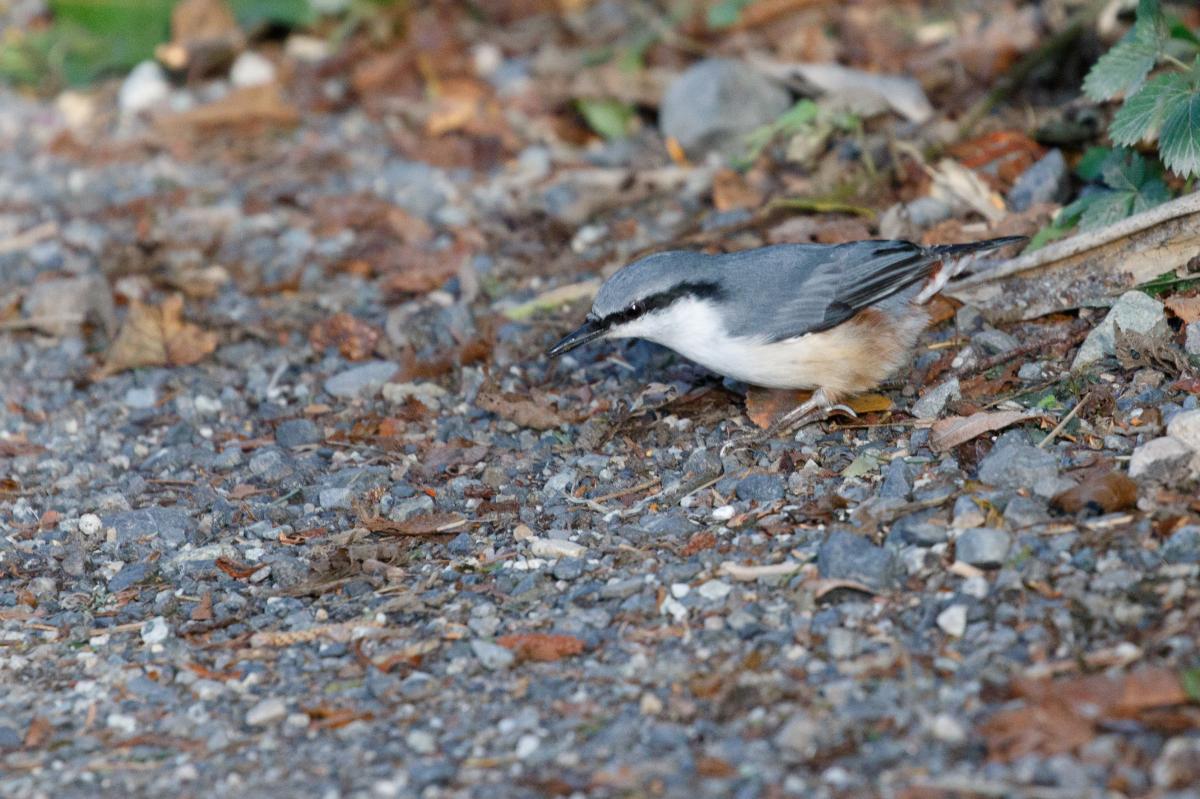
(1151, 193)
(1182, 33)
(1179, 141)
(253, 14)
(1069, 215)
(1124, 67)
(609, 118)
(1142, 113)
(726, 13)
(1125, 170)
(1106, 209)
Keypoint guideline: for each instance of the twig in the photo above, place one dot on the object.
(1045, 442)
(626, 491)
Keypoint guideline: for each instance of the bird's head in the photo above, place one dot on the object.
(642, 299)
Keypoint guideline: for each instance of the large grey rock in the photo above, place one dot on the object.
(364, 380)
(1047, 181)
(716, 102)
(1133, 311)
(170, 525)
(1185, 426)
(1016, 464)
(847, 556)
(1161, 460)
(984, 547)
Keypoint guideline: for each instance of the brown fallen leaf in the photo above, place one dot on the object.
(765, 406)
(1106, 492)
(424, 524)
(1186, 308)
(18, 445)
(238, 571)
(157, 336)
(251, 109)
(541, 646)
(204, 608)
(699, 542)
(947, 434)
(731, 191)
(525, 411)
(1136, 350)
(38, 733)
(354, 338)
(204, 36)
(1061, 715)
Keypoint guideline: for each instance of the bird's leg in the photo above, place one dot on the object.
(819, 407)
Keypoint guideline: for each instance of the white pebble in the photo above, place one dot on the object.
(947, 728)
(266, 712)
(714, 589)
(953, 620)
(555, 548)
(527, 745)
(155, 631)
(680, 590)
(976, 586)
(251, 69)
(89, 524)
(145, 86)
(723, 513)
(121, 723)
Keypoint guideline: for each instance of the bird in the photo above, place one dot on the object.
(835, 319)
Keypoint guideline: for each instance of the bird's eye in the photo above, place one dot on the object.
(635, 306)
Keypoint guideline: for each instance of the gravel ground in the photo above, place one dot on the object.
(294, 569)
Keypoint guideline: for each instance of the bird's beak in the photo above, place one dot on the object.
(590, 330)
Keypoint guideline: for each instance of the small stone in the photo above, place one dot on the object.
(421, 742)
(680, 590)
(1047, 181)
(761, 488)
(145, 86)
(1183, 546)
(492, 656)
(953, 620)
(1191, 339)
(1031, 371)
(567, 569)
(361, 381)
(724, 513)
(141, 398)
(847, 556)
(976, 586)
(462, 545)
(251, 69)
(130, 575)
(1161, 460)
(555, 548)
(335, 498)
(1185, 426)
(716, 102)
(267, 712)
(428, 394)
(527, 745)
(934, 401)
(522, 532)
(650, 705)
(1017, 464)
(993, 342)
(984, 547)
(897, 480)
(1179, 764)
(122, 723)
(297, 433)
(799, 735)
(967, 513)
(714, 590)
(155, 631)
(842, 643)
(89, 524)
(948, 729)
(1133, 311)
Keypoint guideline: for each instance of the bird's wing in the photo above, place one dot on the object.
(802, 289)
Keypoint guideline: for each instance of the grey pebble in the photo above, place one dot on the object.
(984, 547)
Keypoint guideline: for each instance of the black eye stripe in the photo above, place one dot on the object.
(701, 289)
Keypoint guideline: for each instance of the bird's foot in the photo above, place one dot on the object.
(819, 408)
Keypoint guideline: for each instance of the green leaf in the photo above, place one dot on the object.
(726, 13)
(1123, 68)
(1142, 113)
(253, 14)
(1190, 680)
(1125, 170)
(609, 118)
(1179, 141)
(98, 36)
(1151, 193)
(1106, 209)
(1182, 33)
(1092, 162)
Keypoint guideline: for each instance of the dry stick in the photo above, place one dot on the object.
(1025, 67)
(1066, 419)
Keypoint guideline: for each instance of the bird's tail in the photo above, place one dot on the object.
(957, 257)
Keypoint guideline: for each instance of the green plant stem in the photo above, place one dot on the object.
(817, 206)
(1173, 61)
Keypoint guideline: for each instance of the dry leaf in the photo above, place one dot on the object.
(731, 191)
(1099, 493)
(699, 542)
(424, 524)
(525, 411)
(959, 186)
(947, 434)
(157, 336)
(766, 406)
(541, 646)
(204, 608)
(38, 733)
(1136, 350)
(1001, 156)
(354, 338)
(1186, 308)
(253, 109)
